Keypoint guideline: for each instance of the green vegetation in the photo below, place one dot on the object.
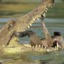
(63, 0)
(57, 11)
(17, 8)
(20, 1)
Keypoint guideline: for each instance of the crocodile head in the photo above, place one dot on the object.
(23, 23)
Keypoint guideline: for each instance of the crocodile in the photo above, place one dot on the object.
(23, 23)
(47, 42)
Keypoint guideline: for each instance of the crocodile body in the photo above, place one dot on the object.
(23, 23)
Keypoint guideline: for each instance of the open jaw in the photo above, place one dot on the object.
(23, 23)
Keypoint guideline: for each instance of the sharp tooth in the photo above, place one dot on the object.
(32, 21)
(28, 26)
(44, 14)
(36, 46)
(39, 46)
(45, 10)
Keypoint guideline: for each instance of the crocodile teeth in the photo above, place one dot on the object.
(36, 46)
(28, 26)
(45, 10)
(39, 46)
(44, 14)
(32, 21)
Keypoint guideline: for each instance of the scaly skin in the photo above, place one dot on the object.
(22, 23)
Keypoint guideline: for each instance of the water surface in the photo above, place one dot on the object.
(56, 57)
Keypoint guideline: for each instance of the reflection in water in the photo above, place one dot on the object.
(56, 57)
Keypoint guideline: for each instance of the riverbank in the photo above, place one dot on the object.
(17, 10)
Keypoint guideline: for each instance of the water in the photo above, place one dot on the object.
(46, 20)
(56, 57)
